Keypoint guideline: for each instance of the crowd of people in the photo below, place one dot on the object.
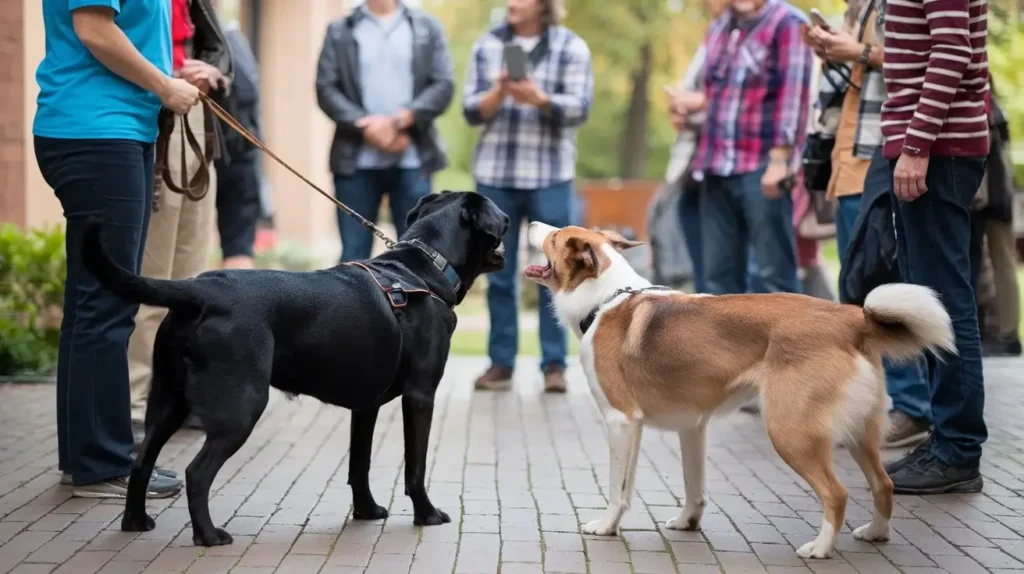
(904, 154)
(883, 129)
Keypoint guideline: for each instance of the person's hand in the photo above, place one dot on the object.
(812, 41)
(399, 144)
(678, 118)
(908, 178)
(178, 95)
(527, 92)
(405, 118)
(379, 131)
(773, 176)
(837, 44)
(202, 75)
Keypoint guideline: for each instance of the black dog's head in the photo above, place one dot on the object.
(465, 227)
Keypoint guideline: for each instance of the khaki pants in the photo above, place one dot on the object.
(177, 247)
(1002, 249)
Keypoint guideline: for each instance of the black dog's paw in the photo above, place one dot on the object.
(376, 512)
(137, 523)
(220, 537)
(433, 518)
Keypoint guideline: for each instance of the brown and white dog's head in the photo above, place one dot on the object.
(573, 254)
(583, 268)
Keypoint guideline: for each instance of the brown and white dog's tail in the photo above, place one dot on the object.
(904, 319)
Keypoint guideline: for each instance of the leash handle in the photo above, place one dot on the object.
(238, 127)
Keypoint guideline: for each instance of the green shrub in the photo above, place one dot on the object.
(33, 269)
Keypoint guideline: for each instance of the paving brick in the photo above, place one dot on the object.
(285, 500)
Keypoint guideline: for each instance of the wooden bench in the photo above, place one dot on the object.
(617, 203)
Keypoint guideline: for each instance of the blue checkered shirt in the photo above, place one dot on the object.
(522, 147)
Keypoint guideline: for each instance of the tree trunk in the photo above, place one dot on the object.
(634, 136)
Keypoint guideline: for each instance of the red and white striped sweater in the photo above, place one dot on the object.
(936, 76)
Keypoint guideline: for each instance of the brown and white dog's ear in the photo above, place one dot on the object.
(582, 258)
(619, 242)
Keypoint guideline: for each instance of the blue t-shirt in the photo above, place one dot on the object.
(79, 98)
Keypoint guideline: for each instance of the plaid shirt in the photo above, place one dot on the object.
(522, 147)
(757, 86)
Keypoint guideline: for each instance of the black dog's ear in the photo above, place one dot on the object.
(414, 213)
(484, 221)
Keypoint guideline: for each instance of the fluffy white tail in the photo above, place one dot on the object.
(904, 319)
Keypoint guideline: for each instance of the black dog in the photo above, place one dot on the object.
(356, 336)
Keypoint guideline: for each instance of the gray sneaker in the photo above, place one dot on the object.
(159, 487)
(904, 430)
(65, 478)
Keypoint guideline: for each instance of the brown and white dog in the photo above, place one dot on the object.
(671, 360)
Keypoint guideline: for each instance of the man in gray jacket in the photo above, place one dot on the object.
(384, 76)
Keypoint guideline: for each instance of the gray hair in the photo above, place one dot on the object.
(552, 12)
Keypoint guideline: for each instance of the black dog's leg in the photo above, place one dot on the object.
(364, 507)
(199, 478)
(416, 416)
(166, 410)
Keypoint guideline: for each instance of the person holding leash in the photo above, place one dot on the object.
(105, 74)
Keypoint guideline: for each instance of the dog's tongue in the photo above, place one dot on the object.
(535, 270)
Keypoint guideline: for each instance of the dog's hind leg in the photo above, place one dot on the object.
(693, 447)
(416, 418)
(866, 451)
(225, 434)
(165, 412)
(364, 507)
(805, 442)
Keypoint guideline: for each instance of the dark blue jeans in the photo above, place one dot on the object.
(363, 192)
(739, 220)
(689, 217)
(111, 180)
(906, 382)
(934, 238)
(553, 206)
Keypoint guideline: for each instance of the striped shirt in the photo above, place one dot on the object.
(936, 76)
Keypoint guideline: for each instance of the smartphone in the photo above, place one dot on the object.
(818, 20)
(515, 61)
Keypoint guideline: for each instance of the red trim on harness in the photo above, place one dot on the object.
(388, 290)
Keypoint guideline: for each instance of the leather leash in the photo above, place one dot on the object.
(238, 127)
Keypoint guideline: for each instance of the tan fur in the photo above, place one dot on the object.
(661, 356)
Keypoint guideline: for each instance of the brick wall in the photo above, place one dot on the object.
(12, 111)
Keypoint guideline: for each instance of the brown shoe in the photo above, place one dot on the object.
(905, 430)
(554, 379)
(495, 378)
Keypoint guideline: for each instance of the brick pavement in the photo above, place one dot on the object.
(518, 472)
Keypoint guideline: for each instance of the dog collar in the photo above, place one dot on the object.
(589, 319)
(440, 263)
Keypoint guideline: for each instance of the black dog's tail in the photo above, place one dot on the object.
(132, 287)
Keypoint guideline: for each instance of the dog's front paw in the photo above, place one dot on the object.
(137, 522)
(219, 537)
(432, 518)
(601, 527)
(873, 532)
(816, 549)
(375, 512)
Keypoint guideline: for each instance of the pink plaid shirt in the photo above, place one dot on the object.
(757, 85)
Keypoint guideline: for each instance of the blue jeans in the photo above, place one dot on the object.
(906, 382)
(689, 217)
(111, 180)
(738, 220)
(553, 206)
(933, 241)
(363, 192)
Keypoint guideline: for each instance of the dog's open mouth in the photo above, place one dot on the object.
(538, 271)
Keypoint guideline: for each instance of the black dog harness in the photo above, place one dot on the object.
(589, 319)
(397, 282)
